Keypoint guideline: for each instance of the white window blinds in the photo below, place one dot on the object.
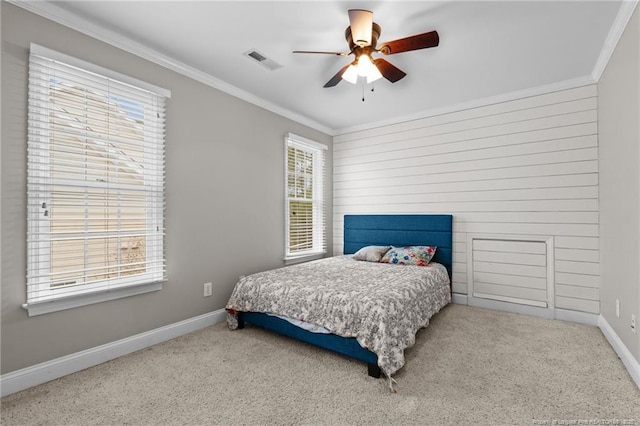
(304, 215)
(95, 179)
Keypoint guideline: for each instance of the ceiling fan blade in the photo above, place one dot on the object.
(361, 22)
(388, 70)
(419, 41)
(336, 78)
(323, 53)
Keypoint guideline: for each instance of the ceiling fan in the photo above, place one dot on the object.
(362, 36)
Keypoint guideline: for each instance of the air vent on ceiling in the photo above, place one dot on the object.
(262, 59)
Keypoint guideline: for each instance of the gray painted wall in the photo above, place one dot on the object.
(619, 162)
(225, 199)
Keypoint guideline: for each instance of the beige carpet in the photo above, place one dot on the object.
(470, 366)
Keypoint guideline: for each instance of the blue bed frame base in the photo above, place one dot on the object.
(344, 346)
(361, 231)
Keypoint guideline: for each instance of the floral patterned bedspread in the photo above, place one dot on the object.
(381, 305)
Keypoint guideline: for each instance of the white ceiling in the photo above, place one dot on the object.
(487, 50)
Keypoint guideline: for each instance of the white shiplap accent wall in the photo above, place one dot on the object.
(527, 167)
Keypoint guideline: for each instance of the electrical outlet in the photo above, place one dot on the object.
(633, 323)
(208, 289)
(618, 308)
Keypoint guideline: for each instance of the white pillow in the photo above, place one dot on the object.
(371, 253)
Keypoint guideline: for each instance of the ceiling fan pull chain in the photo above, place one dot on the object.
(363, 83)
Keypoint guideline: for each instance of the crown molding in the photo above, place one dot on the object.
(615, 33)
(505, 97)
(51, 11)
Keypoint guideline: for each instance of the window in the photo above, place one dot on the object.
(304, 212)
(95, 184)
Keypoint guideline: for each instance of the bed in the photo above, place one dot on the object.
(355, 323)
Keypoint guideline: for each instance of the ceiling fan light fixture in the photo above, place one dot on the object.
(361, 22)
(351, 74)
(367, 69)
(376, 75)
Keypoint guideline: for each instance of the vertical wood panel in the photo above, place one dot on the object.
(526, 167)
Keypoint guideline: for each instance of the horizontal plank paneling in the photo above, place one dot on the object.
(585, 268)
(520, 281)
(515, 258)
(574, 304)
(588, 293)
(470, 163)
(452, 142)
(459, 257)
(475, 206)
(460, 246)
(459, 277)
(527, 187)
(459, 267)
(526, 169)
(533, 247)
(586, 243)
(486, 111)
(428, 175)
(509, 269)
(528, 228)
(578, 255)
(510, 291)
(445, 156)
(459, 288)
(588, 192)
(580, 280)
(459, 237)
(471, 130)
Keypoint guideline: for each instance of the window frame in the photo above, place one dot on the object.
(318, 201)
(40, 296)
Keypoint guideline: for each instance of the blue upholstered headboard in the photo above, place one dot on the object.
(401, 230)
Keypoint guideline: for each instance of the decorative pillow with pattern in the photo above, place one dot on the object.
(371, 253)
(409, 255)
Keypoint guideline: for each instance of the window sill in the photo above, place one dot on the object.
(88, 299)
(292, 260)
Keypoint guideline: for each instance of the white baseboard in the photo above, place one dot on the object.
(632, 365)
(56, 368)
(535, 311)
(458, 298)
(50, 370)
